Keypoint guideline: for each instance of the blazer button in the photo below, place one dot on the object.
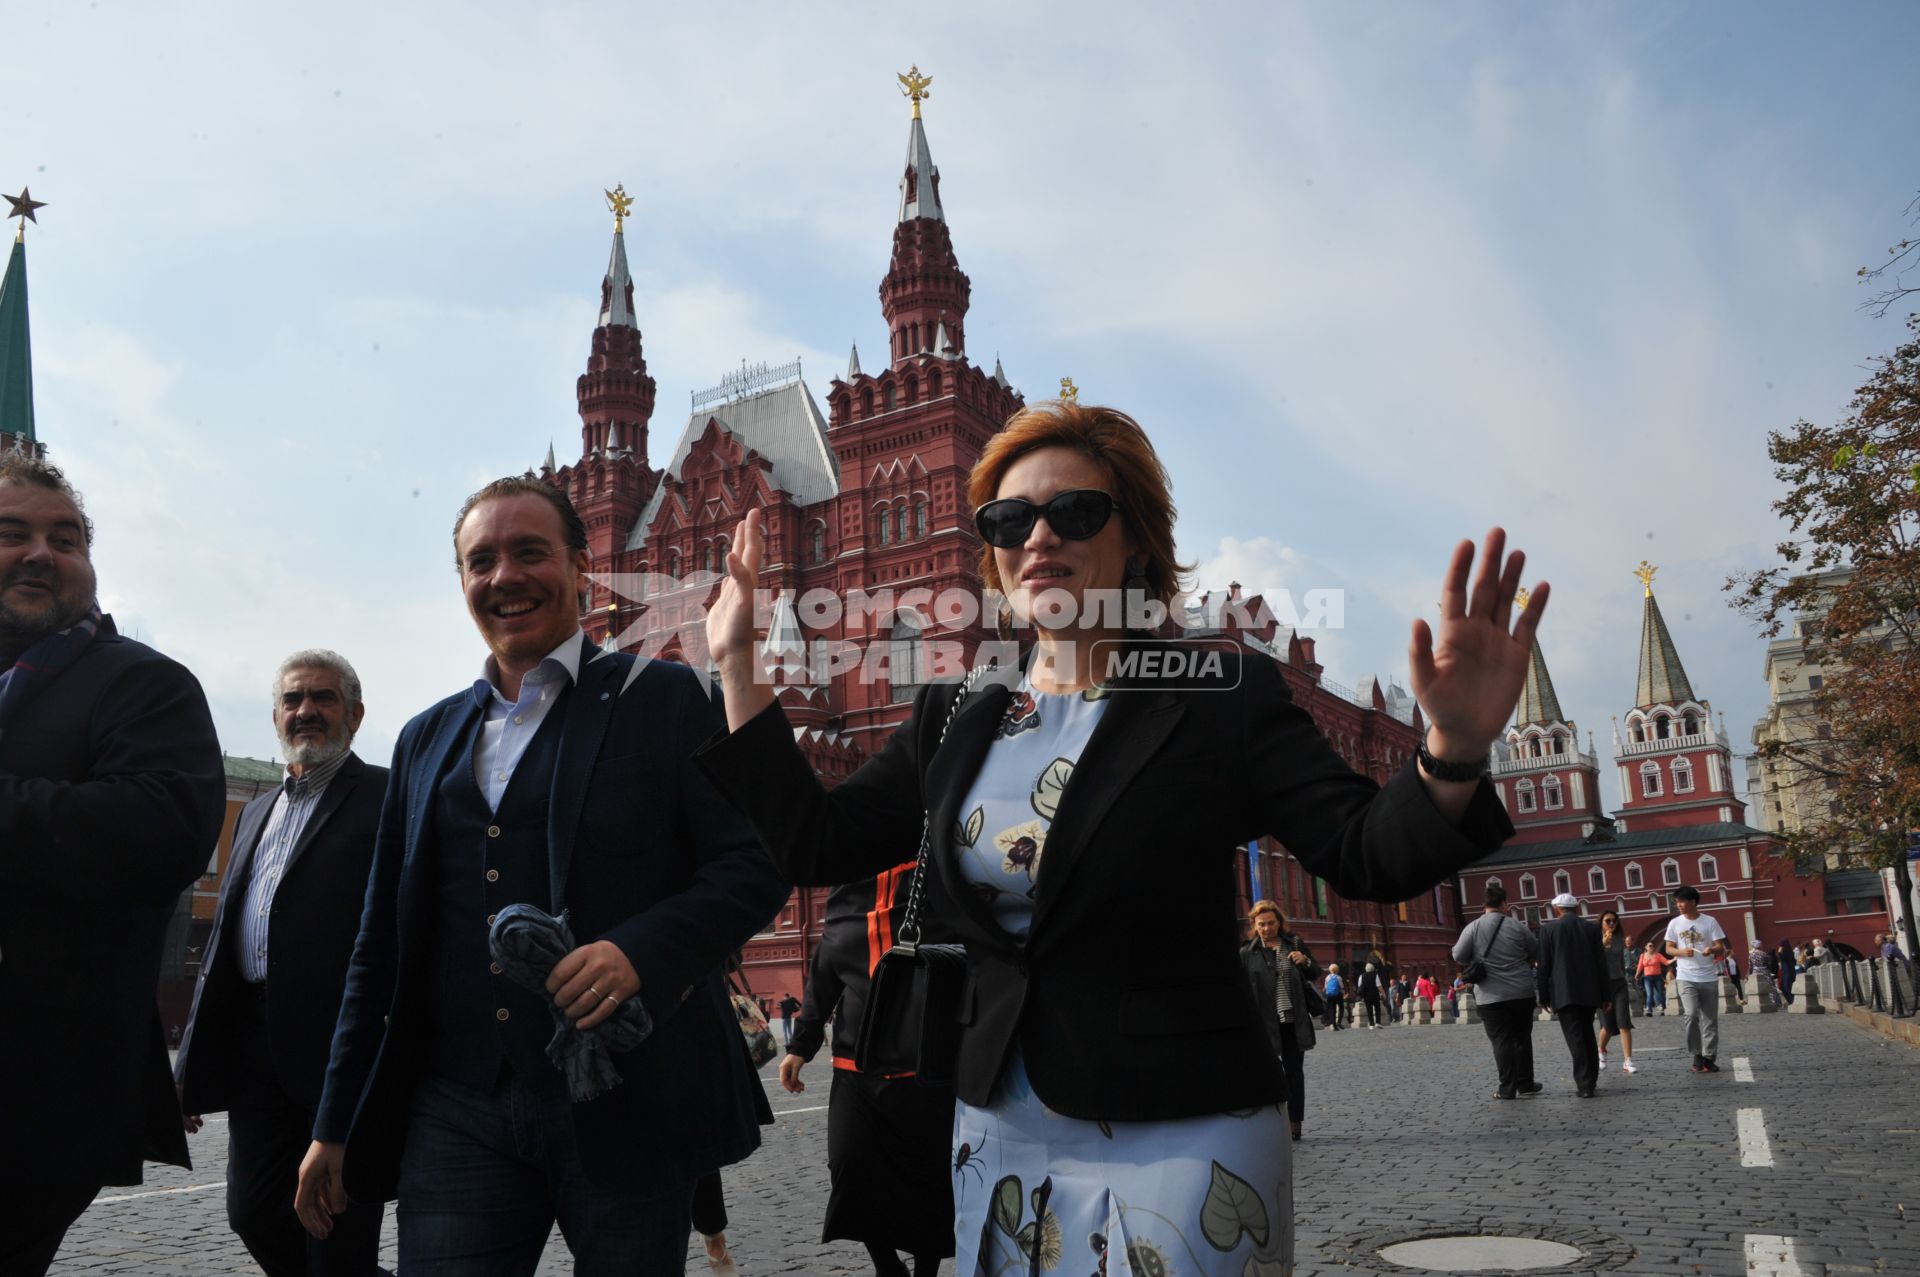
(493, 831)
(494, 967)
(501, 1014)
(491, 917)
(493, 875)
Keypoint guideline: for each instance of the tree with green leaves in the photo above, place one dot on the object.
(1850, 576)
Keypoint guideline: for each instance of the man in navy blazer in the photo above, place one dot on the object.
(1572, 980)
(257, 1042)
(111, 797)
(562, 779)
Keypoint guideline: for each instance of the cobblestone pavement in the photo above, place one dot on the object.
(1403, 1141)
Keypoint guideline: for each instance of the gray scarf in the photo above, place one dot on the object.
(527, 942)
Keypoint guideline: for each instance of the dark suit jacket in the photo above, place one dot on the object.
(1128, 998)
(111, 797)
(1263, 980)
(310, 934)
(1573, 964)
(644, 853)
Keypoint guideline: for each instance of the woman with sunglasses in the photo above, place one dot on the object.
(1616, 1017)
(1119, 1094)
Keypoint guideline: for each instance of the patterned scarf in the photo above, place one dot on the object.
(527, 942)
(44, 662)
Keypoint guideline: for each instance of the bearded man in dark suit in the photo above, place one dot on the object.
(257, 1043)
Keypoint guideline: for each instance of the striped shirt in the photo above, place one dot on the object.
(299, 795)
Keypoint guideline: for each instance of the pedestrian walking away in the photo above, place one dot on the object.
(1372, 993)
(1786, 965)
(887, 1137)
(1572, 982)
(1334, 990)
(111, 799)
(1506, 994)
(1098, 975)
(1697, 943)
(1283, 973)
(1616, 1015)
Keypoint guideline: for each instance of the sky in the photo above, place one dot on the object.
(1374, 278)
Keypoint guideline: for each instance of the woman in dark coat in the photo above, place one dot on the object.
(1117, 1093)
(1282, 970)
(887, 1137)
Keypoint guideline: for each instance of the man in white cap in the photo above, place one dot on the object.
(1572, 981)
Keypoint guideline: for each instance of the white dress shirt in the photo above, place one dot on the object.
(510, 725)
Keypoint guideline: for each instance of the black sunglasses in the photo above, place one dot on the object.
(1074, 515)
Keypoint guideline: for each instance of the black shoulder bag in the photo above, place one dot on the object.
(912, 1020)
(1476, 971)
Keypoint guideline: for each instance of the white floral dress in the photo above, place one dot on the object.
(1035, 1192)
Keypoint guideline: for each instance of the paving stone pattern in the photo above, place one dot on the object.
(1404, 1140)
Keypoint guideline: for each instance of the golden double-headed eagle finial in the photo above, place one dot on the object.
(1520, 597)
(1068, 391)
(621, 203)
(915, 86)
(1645, 572)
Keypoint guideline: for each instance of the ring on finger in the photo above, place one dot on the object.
(608, 997)
(595, 992)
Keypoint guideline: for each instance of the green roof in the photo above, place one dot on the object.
(255, 769)
(1538, 702)
(16, 350)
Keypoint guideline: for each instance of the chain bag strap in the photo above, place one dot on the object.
(912, 1022)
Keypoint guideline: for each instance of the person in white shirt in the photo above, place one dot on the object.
(1697, 943)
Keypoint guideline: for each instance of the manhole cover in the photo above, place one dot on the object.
(1479, 1254)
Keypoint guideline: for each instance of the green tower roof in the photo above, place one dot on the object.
(16, 349)
(1538, 702)
(1662, 680)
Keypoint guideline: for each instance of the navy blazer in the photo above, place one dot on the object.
(644, 852)
(111, 797)
(1128, 999)
(310, 934)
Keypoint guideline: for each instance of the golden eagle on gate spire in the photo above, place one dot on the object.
(915, 86)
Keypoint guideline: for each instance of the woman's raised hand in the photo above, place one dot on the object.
(731, 640)
(1467, 675)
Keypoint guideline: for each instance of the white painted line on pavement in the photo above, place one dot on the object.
(1771, 1256)
(1742, 1069)
(815, 1109)
(1755, 1150)
(157, 1192)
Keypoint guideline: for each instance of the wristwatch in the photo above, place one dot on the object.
(1440, 769)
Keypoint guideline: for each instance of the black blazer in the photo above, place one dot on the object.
(1128, 998)
(1573, 964)
(643, 852)
(112, 793)
(1263, 979)
(316, 915)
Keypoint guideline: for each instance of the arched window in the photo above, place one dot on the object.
(900, 520)
(866, 401)
(1682, 776)
(1637, 730)
(643, 580)
(904, 659)
(1527, 891)
(1634, 878)
(1523, 797)
(820, 662)
(1493, 882)
(919, 518)
(1559, 742)
(933, 382)
(1690, 725)
(887, 396)
(1620, 905)
(1596, 880)
(1709, 869)
(1650, 779)
(1562, 883)
(1670, 872)
(1550, 796)
(673, 564)
(886, 524)
(706, 557)
(819, 543)
(913, 389)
